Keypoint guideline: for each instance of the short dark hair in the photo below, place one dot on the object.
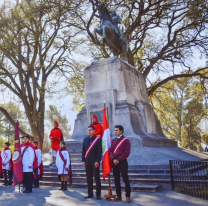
(92, 127)
(62, 142)
(7, 143)
(35, 142)
(27, 136)
(120, 128)
(22, 137)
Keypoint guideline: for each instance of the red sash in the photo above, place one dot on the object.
(70, 169)
(24, 151)
(92, 144)
(119, 144)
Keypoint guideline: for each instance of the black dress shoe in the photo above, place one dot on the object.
(5, 184)
(10, 183)
(28, 191)
(25, 191)
(98, 198)
(35, 186)
(88, 196)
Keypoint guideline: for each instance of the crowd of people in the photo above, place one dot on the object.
(91, 157)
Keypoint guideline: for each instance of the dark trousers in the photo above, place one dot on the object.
(90, 170)
(121, 168)
(28, 177)
(36, 181)
(9, 175)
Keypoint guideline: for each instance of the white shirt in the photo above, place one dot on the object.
(120, 136)
(28, 159)
(6, 156)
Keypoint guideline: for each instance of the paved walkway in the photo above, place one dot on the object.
(51, 196)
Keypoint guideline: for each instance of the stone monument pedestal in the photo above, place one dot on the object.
(124, 92)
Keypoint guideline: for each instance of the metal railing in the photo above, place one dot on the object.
(190, 177)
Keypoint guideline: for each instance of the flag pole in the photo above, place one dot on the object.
(109, 195)
(19, 187)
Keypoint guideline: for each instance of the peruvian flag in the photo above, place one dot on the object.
(17, 158)
(106, 145)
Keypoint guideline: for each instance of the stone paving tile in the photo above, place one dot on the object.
(51, 196)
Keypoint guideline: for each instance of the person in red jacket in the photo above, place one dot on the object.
(96, 125)
(56, 137)
(119, 152)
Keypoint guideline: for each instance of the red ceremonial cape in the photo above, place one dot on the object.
(70, 169)
(41, 165)
(35, 162)
(1, 171)
(10, 161)
(57, 135)
(98, 128)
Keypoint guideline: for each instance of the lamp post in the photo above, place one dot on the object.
(187, 127)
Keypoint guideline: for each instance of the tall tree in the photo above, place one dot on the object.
(36, 42)
(180, 106)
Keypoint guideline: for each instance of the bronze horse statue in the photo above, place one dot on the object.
(112, 35)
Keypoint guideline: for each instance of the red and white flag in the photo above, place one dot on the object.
(106, 145)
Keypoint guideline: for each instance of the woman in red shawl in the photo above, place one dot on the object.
(96, 125)
(56, 137)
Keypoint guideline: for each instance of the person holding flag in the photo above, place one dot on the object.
(29, 163)
(91, 156)
(40, 165)
(56, 137)
(96, 125)
(7, 164)
(120, 150)
(63, 163)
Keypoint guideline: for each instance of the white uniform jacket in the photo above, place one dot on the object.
(39, 156)
(60, 163)
(6, 156)
(28, 159)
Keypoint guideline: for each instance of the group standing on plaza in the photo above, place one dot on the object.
(91, 158)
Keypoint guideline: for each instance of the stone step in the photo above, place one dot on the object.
(140, 188)
(140, 171)
(130, 171)
(141, 167)
(131, 175)
(132, 180)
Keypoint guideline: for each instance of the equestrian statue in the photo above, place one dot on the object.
(112, 35)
